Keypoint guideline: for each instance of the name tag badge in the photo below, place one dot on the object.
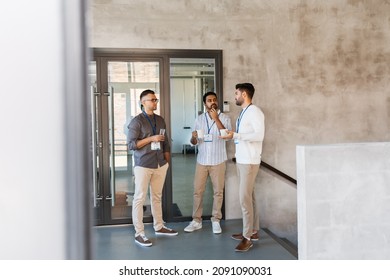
(208, 138)
(156, 146)
(236, 141)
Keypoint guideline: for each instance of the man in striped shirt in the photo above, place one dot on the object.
(211, 161)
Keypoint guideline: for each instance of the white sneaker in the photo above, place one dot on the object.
(216, 227)
(194, 225)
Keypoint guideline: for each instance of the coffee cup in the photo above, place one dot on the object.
(224, 132)
(200, 133)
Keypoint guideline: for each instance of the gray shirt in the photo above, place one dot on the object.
(142, 127)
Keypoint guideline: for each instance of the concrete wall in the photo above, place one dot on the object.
(344, 201)
(321, 69)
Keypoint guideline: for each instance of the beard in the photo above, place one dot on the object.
(213, 106)
(238, 102)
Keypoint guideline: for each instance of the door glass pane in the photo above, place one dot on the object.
(190, 78)
(126, 81)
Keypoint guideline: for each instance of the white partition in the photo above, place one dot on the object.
(344, 201)
(43, 160)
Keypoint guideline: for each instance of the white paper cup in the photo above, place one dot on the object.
(223, 132)
(200, 133)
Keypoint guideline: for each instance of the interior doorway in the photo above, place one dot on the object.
(117, 77)
(190, 78)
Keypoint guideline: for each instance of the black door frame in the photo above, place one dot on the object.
(103, 55)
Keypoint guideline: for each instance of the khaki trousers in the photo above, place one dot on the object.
(143, 178)
(250, 216)
(217, 176)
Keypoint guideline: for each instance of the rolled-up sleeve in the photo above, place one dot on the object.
(134, 131)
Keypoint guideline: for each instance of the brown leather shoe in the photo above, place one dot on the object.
(238, 236)
(244, 245)
(166, 231)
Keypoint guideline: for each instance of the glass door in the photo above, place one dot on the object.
(114, 101)
(179, 78)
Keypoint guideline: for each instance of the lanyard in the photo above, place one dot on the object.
(209, 127)
(240, 117)
(155, 123)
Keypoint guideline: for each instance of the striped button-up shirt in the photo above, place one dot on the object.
(214, 152)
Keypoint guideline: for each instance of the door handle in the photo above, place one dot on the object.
(96, 184)
(112, 142)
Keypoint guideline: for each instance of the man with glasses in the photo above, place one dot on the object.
(147, 137)
(211, 161)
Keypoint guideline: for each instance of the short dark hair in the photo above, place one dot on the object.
(207, 94)
(146, 92)
(248, 88)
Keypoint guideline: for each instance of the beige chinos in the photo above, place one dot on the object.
(217, 176)
(247, 175)
(156, 177)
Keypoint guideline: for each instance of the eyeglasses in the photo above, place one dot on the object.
(153, 100)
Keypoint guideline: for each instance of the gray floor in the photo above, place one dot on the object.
(117, 243)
